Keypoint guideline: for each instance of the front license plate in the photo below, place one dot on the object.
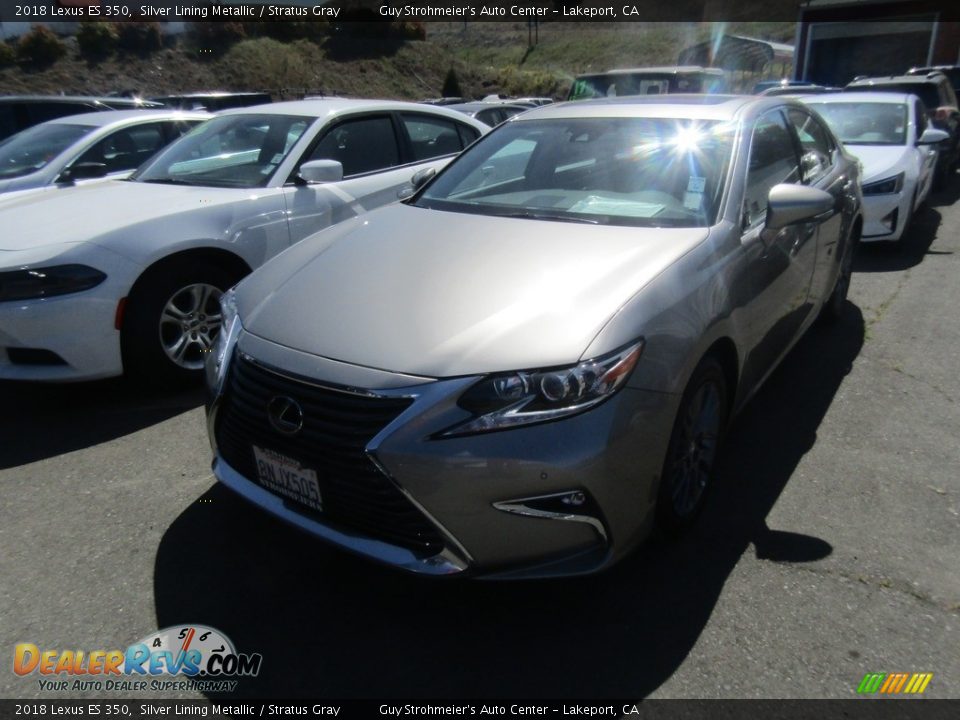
(285, 476)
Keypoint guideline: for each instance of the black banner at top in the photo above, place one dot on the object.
(474, 10)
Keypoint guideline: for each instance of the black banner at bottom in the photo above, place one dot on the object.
(882, 709)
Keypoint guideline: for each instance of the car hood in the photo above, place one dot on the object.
(86, 212)
(879, 161)
(440, 294)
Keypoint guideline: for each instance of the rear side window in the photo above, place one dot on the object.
(773, 160)
(467, 134)
(362, 145)
(431, 137)
(126, 149)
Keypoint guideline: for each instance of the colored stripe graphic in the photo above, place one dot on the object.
(871, 682)
(894, 683)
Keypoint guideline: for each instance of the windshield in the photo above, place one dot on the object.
(863, 123)
(649, 172)
(32, 149)
(643, 83)
(241, 151)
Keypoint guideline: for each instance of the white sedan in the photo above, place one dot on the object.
(890, 135)
(126, 275)
(77, 148)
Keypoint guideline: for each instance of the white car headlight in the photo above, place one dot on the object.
(216, 365)
(887, 186)
(510, 399)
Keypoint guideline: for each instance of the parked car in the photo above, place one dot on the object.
(213, 101)
(78, 148)
(489, 113)
(893, 140)
(648, 81)
(527, 102)
(951, 71)
(765, 85)
(522, 367)
(18, 112)
(937, 95)
(125, 275)
(797, 90)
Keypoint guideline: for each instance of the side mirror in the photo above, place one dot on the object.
(82, 171)
(421, 177)
(792, 204)
(933, 136)
(321, 171)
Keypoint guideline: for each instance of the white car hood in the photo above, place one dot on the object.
(879, 161)
(90, 212)
(439, 294)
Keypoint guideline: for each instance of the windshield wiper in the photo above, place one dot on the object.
(167, 181)
(527, 215)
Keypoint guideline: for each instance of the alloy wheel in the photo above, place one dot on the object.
(189, 324)
(696, 449)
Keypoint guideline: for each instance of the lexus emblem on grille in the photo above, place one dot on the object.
(285, 415)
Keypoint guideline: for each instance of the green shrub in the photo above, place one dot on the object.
(40, 46)
(409, 30)
(451, 85)
(8, 56)
(141, 38)
(97, 39)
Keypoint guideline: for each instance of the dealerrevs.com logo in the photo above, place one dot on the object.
(185, 657)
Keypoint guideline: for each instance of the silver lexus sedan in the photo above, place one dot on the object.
(530, 363)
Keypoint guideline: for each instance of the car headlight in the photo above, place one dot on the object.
(216, 365)
(507, 400)
(33, 283)
(887, 186)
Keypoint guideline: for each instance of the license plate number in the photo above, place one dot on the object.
(285, 476)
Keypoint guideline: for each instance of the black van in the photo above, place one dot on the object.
(18, 112)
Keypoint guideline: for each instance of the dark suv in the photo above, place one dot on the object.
(18, 112)
(937, 94)
(951, 71)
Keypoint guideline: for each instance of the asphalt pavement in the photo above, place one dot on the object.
(831, 548)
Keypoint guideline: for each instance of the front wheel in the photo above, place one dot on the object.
(172, 321)
(693, 448)
(833, 306)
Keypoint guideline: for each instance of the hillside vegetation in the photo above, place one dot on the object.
(486, 58)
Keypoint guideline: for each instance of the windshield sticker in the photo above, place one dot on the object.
(595, 204)
(692, 200)
(696, 184)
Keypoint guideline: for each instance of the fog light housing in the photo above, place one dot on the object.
(889, 221)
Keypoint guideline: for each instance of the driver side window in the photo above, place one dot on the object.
(773, 160)
(361, 145)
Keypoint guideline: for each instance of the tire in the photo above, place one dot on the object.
(171, 322)
(941, 175)
(692, 452)
(833, 308)
(901, 241)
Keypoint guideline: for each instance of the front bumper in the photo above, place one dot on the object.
(75, 333)
(496, 499)
(895, 208)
